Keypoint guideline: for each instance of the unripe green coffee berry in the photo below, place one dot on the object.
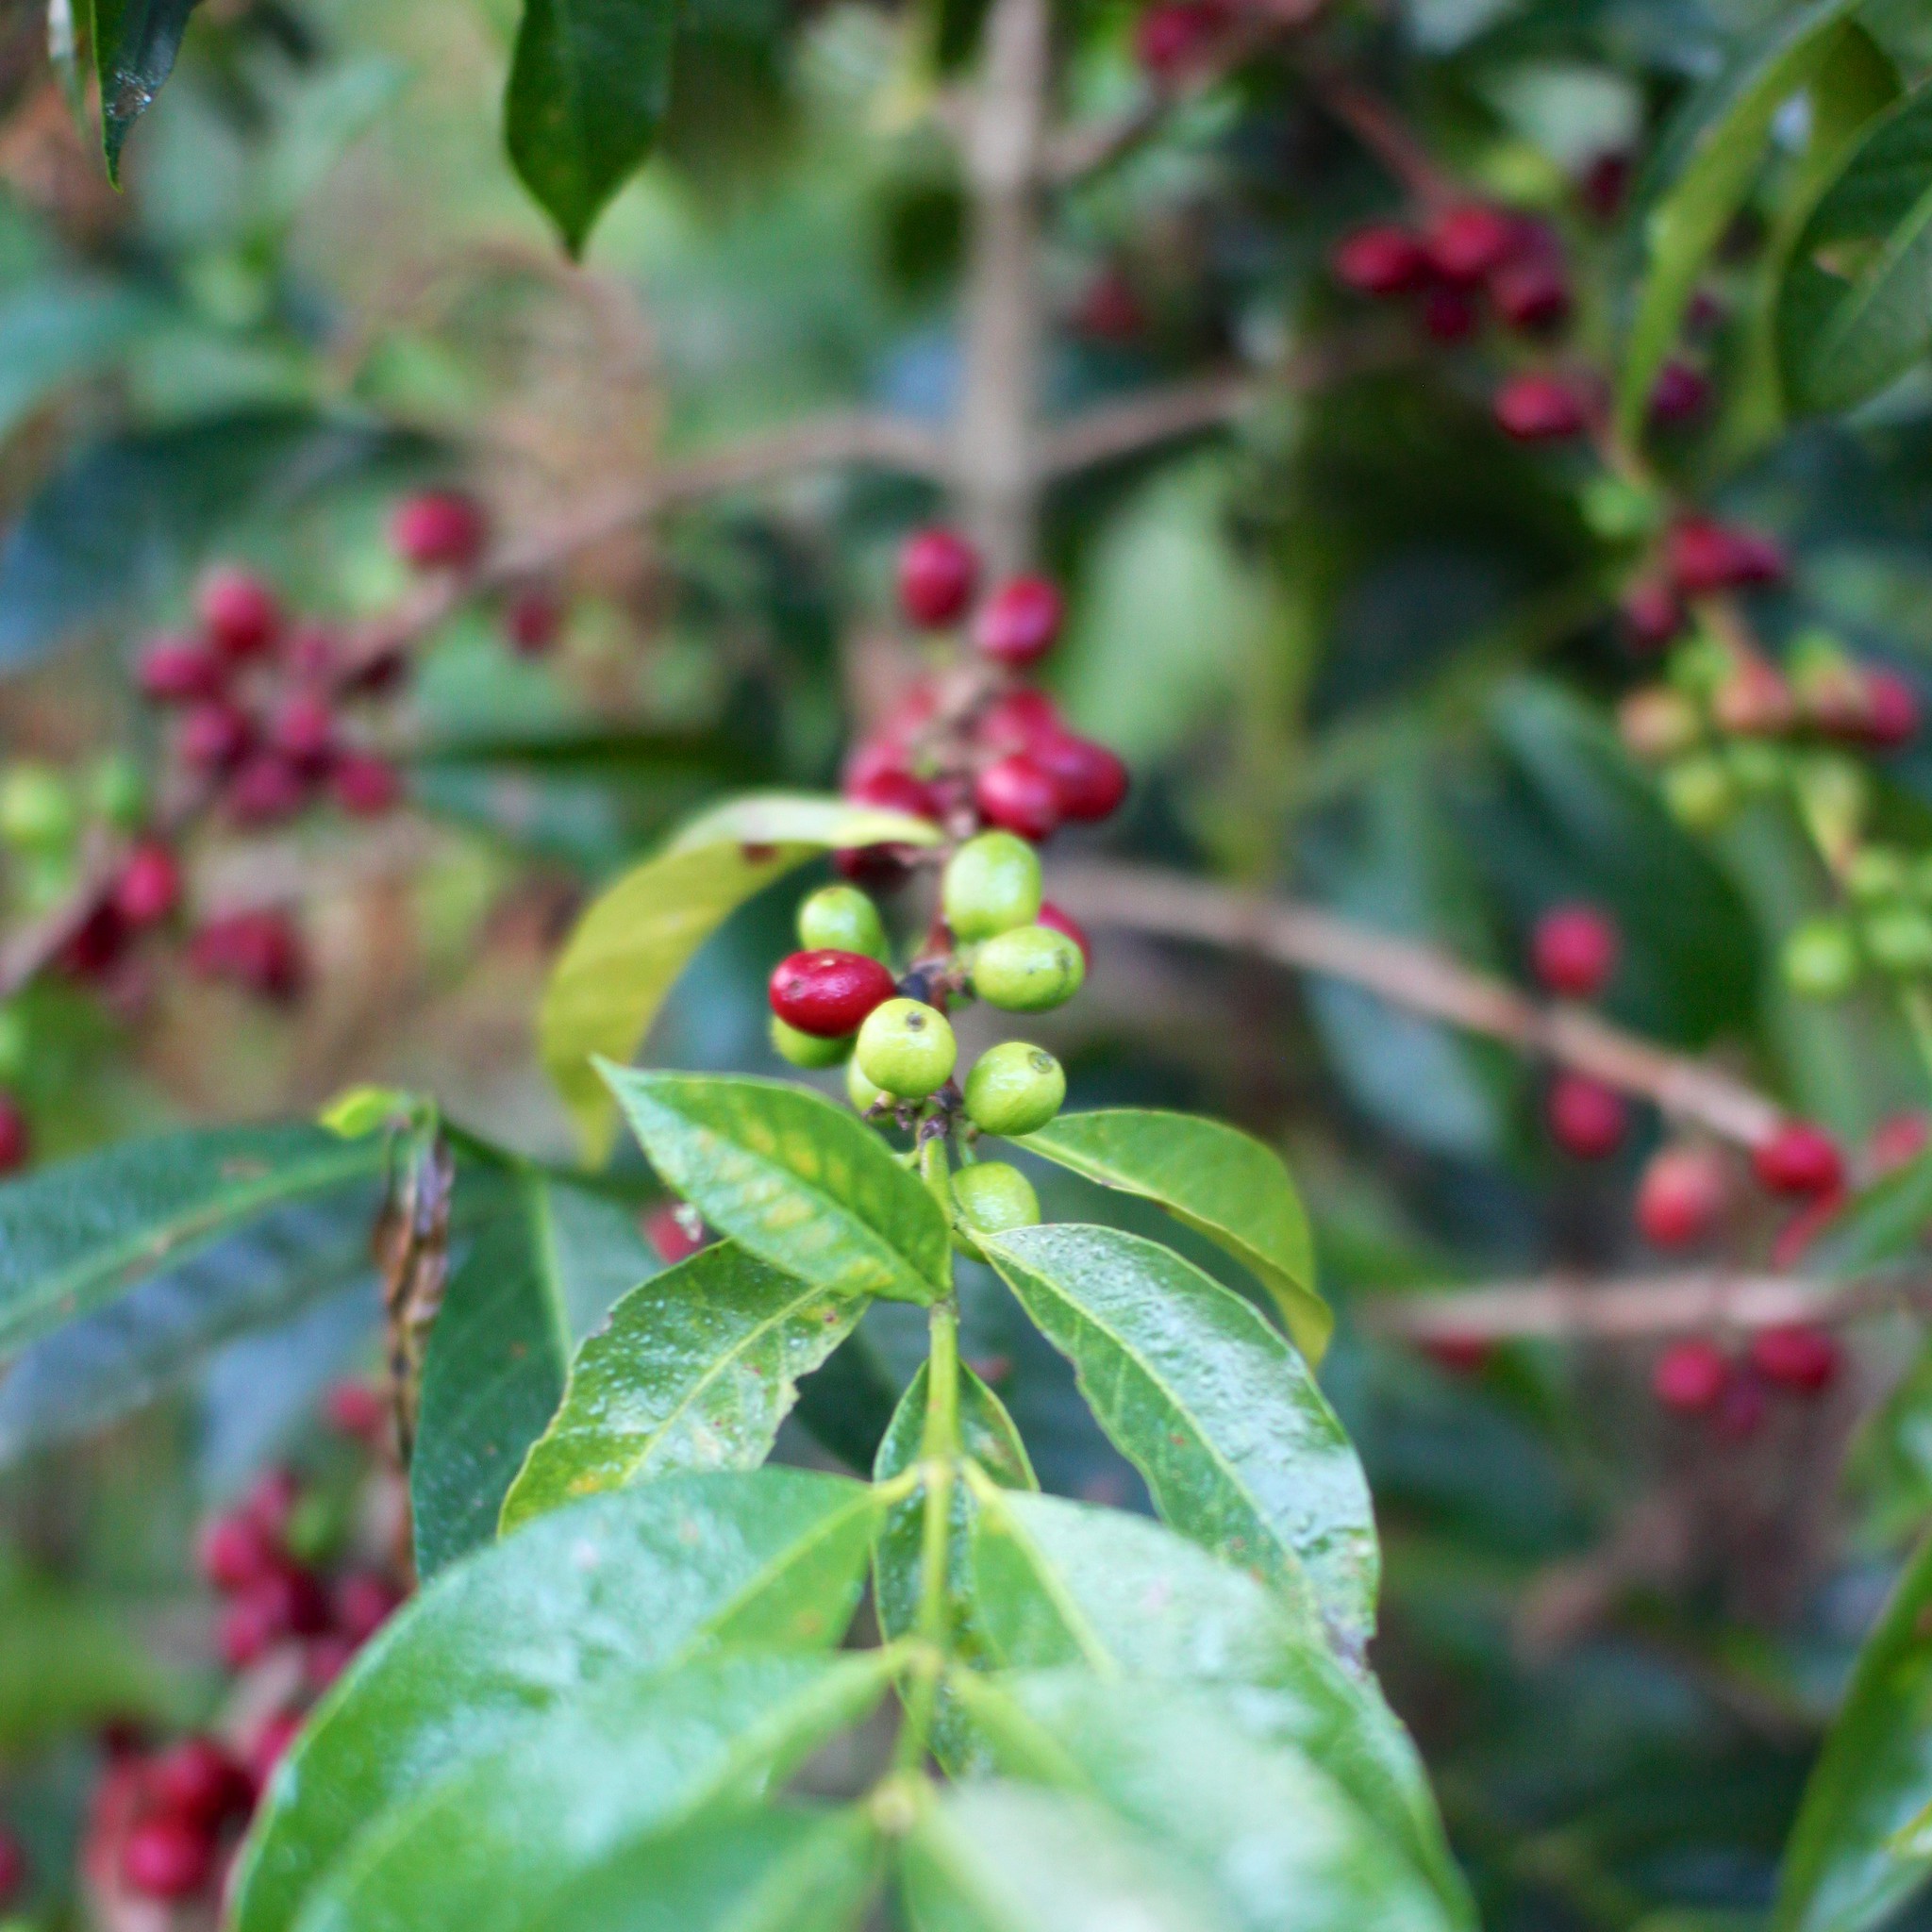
(1617, 511)
(1699, 666)
(117, 792)
(1900, 940)
(1821, 960)
(864, 1094)
(989, 1198)
(13, 1045)
(36, 809)
(992, 884)
(1699, 792)
(807, 1049)
(1029, 970)
(1756, 767)
(842, 918)
(908, 1047)
(1876, 874)
(1015, 1089)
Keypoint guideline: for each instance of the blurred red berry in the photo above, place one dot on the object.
(312, 654)
(1800, 1357)
(938, 570)
(358, 1410)
(212, 736)
(1588, 1119)
(98, 946)
(14, 1869)
(149, 888)
(1799, 1158)
(383, 673)
(1089, 780)
(1573, 951)
(1690, 1376)
(237, 1551)
(1891, 710)
(1740, 1407)
(247, 1630)
(324, 1659)
(533, 621)
(675, 1233)
(1172, 37)
(16, 1137)
(1754, 701)
(828, 993)
(1019, 721)
(1651, 613)
(239, 612)
(439, 530)
(303, 729)
(1465, 243)
(364, 785)
(892, 791)
(1020, 622)
(177, 671)
(1604, 185)
(197, 1780)
(1538, 408)
(1680, 393)
(1682, 1195)
(271, 1499)
(1459, 1355)
(1898, 1141)
(294, 1601)
(364, 1601)
(1018, 795)
(1449, 315)
(1379, 260)
(167, 1857)
(260, 951)
(1051, 915)
(1531, 294)
(270, 1745)
(267, 789)
(1705, 556)
(877, 868)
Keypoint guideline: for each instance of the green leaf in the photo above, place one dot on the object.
(639, 1580)
(1880, 1224)
(78, 1236)
(634, 941)
(1215, 1179)
(1214, 1409)
(534, 1261)
(491, 1845)
(1853, 1858)
(135, 43)
(798, 1181)
(696, 1370)
(1001, 1857)
(1699, 179)
(1854, 309)
(588, 88)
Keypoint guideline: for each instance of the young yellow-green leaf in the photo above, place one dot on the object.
(135, 43)
(1213, 1178)
(1699, 179)
(1856, 307)
(494, 1842)
(636, 1581)
(1854, 1855)
(798, 1181)
(1212, 1406)
(695, 1369)
(637, 936)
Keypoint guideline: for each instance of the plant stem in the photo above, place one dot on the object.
(939, 1452)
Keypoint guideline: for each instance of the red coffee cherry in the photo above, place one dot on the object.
(533, 622)
(1383, 260)
(260, 951)
(303, 729)
(1573, 951)
(1465, 243)
(1019, 721)
(312, 654)
(268, 789)
(294, 1600)
(1172, 37)
(1651, 614)
(1531, 294)
(938, 570)
(1018, 795)
(1459, 1355)
(1020, 622)
(1799, 1159)
(212, 736)
(1682, 1197)
(1754, 701)
(195, 1779)
(364, 1601)
(358, 1410)
(16, 1137)
(270, 1745)
(324, 1659)
(1704, 556)
(236, 1551)
(1799, 1358)
(239, 613)
(149, 888)
(13, 1867)
(364, 785)
(1681, 393)
(1891, 710)
(167, 1857)
(893, 790)
(1449, 314)
(1690, 1376)
(439, 530)
(1051, 916)
(1588, 1119)
(675, 1233)
(828, 993)
(1538, 408)
(177, 671)
(1089, 780)
(98, 946)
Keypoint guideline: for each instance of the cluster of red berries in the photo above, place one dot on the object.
(165, 1818)
(1174, 40)
(1462, 255)
(1698, 1377)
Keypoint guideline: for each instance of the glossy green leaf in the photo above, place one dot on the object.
(1215, 1179)
(1855, 1856)
(588, 88)
(798, 1182)
(534, 1260)
(633, 942)
(635, 1581)
(1880, 1224)
(695, 1369)
(1856, 307)
(491, 1845)
(76, 1236)
(1003, 1858)
(135, 43)
(1700, 177)
(1215, 1408)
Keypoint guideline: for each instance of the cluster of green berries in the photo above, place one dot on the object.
(1886, 926)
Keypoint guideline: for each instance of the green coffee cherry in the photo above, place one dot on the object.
(807, 1049)
(1699, 792)
(1900, 940)
(36, 809)
(989, 1198)
(117, 792)
(863, 1093)
(843, 919)
(13, 1044)
(1029, 969)
(1015, 1089)
(1757, 768)
(992, 884)
(1876, 874)
(1821, 960)
(1700, 666)
(1617, 511)
(908, 1048)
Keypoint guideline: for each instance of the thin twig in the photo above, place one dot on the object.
(1420, 979)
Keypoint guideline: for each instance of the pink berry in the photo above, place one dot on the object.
(1465, 243)
(1459, 1355)
(1799, 1158)
(1019, 721)
(273, 1497)
(1171, 37)
(303, 729)
(1379, 260)
(1651, 613)
(177, 671)
(364, 785)
(1897, 1142)
(1051, 915)
(270, 1745)
(324, 1659)
(1690, 1376)
(1679, 393)
(260, 951)
(312, 654)
(239, 613)
(1705, 556)
(1682, 1197)
(1020, 622)
(197, 1780)
(358, 1410)
(212, 736)
(1891, 710)
(266, 790)
(439, 530)
(1800, 1357)
(1531, 294)
(938, 570)
(1018, 795)
(237, 1551)
(1538, 408)
(1604, 185)
(533, 622)
(892, 791)
(364, 1601)
(167, 1857)
(16, 1137)
(149, 888)
(675, 1233)
(246, 1632)
(1089, 781)
(1588, 1119)
(828, 993)
(1573, 951)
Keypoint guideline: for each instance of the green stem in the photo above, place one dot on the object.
(939, 1452)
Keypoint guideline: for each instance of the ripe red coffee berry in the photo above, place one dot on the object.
(358, 1410)
(1465, 243)
(1704, 556)
(1799, 1358)
(533, 622)
(246, 1632)
(239, 613)
(149, 888)
(236, 1551)
(1383, 260)
(1531, 294)
(304, 728)
(1174, 36)
(364, 1601)
(197, 1780)
(1682, 1195)
(364, 785)
(212, 736)
(266, 789)
(1891, 710)
(1018, 795)
(324, 1659)
(1538, 408)
(938, 570)
(828, 993)
(1052, 917)
(16, 1138)
(167, 1857)
(272, 1498)
(1573, 951)
(1680, 394)
(893, 790)
(1019, 721)
(177, 671)
(1690, 1376)
(1587, 1119)
(1449, 314)
(439, 529)
(1020, 622)
(1799, 1159)
(260, 951)
(1651, 614)
(1089, 780)
(1109, 310)
(674, 1232)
